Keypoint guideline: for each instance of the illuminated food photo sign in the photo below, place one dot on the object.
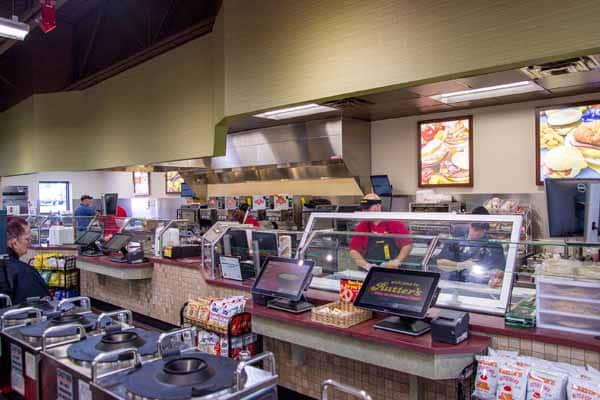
(173, 182)
(568, 141)
(445, 148)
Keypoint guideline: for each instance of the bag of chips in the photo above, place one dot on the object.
(583, 389)
(512, 383)
(542, 385)
(486, 381)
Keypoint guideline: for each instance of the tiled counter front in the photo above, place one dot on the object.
(160, 297)
(304, 375)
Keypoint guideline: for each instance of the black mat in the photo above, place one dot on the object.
(86, 350)
(166, 379)
(36, 330)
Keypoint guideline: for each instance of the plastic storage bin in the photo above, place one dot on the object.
(568, 304)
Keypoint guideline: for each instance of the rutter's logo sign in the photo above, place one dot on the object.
(407, 290)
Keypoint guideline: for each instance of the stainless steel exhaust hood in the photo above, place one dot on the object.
(331, 148)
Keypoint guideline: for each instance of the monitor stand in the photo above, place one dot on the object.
(90, 250)
(294, 307)
(122, 259)
(404, 325)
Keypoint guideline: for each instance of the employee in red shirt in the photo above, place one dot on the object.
(242, 216)
(367, 251)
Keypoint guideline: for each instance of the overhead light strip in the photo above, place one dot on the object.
(296, 111)
(488, 92)
(13, 29)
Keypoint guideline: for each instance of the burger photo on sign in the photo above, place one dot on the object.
(569, 142)
(445, 152)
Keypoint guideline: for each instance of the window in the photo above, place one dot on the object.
(54, 197)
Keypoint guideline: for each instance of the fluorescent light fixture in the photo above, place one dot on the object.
(488, 92)
(298, 111)
(13, 29)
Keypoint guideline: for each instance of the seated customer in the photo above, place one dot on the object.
(473, 259)
(18, 279)
(369, 251)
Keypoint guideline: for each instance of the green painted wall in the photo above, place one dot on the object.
(158, 111)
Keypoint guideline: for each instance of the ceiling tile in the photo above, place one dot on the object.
(498, 78)
(431, 89)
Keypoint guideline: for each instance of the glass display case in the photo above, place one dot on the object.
(250, 245)
(40, 226)
(474, 254)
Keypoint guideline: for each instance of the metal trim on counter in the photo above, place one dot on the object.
(116, 270)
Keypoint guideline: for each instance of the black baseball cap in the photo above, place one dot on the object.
(480, 211)
(86, 197)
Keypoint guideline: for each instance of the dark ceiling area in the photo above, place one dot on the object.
(93, 40)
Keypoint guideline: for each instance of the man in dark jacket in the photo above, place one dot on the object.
(18, 279)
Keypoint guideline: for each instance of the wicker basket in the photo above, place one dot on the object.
(351, 315)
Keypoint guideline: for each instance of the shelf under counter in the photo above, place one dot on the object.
(104, 266)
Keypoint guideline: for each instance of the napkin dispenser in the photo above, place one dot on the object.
(450, 327)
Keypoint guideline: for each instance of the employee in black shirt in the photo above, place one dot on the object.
(18, 279)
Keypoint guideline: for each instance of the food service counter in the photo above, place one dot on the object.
(385, 364)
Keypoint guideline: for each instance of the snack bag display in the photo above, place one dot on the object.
(486, 381)
(542, 385)
(512, 383)
(581, 389)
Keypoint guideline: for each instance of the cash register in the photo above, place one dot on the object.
(89, 244)
(405, 294)
(118, 243)
(281, 283)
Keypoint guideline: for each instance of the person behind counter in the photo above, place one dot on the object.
(18, 279)
(114, 223)
(84, 213)
(241, 215)
(370, 251)
(472, 259)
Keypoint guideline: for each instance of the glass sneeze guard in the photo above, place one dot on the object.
(476, 272)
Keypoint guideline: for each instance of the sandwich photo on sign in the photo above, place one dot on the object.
(568, 141)
(445, 152)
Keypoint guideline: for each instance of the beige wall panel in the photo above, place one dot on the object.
(286, 51)
(17, 137)
(161, 110)
(503, 140)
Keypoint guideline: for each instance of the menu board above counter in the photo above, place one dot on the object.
(446, 152)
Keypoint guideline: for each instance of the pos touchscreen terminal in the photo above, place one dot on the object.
(405, 294)
(87, 243)
(282, 282)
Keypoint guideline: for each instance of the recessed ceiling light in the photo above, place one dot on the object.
(488, 92)
(13, 29)
(297, 111)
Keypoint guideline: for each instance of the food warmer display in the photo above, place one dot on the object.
(184, 373)
(480, 271)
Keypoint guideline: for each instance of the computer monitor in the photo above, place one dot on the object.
(88, 238)
(117, 242)
(238, 242)
(110, 203)
(573, 207)
(267, 244)
(405, 294)
(284, 278)
(381, 185)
